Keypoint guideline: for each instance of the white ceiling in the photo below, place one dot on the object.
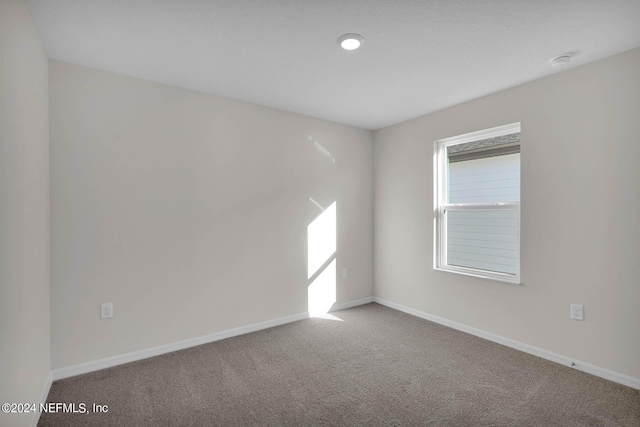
(419, 56)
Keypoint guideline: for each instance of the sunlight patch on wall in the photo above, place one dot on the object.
(321, 249)
(321, 239)
(322, 291)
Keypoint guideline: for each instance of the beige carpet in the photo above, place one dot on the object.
(375, 367)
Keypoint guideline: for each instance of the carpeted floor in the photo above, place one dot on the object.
(373, 367)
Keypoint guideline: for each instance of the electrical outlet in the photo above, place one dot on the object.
(344, 273)
(106, 310)
(577, 311)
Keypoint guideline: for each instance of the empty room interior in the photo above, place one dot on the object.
(291, 213)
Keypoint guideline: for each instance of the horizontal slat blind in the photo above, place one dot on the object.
(484, 239)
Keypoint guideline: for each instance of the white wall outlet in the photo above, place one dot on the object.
(344, 273)
(106, 310)
(577, 311)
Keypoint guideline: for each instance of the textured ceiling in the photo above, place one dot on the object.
(419, 56)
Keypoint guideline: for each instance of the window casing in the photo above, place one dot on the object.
(477, 204)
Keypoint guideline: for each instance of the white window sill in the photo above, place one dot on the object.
(514, 280)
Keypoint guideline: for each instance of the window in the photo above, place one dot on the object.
(477, 196)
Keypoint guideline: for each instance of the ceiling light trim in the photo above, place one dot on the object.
(350, 41)
(561, 60)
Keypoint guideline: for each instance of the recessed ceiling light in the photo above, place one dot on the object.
(350, 41)
(560, 61)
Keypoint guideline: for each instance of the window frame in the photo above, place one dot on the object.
(441, 208)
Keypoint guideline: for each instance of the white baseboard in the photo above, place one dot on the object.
(43, 399)
(548, 355)
(109, 362)
(350, 304)
(96, 365)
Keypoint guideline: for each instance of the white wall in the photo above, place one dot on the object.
(24, 212)
(580, 215)
(189, 212)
